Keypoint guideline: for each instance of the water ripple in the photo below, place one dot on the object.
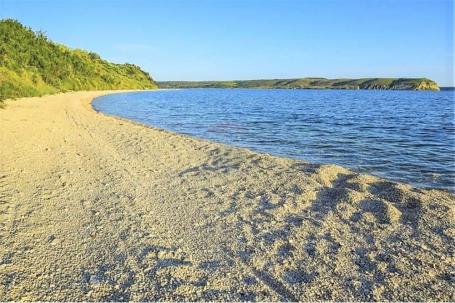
(404, 135)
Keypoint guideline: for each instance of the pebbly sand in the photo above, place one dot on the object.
(99, 208)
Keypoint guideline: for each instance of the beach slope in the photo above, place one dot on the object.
(99, 208)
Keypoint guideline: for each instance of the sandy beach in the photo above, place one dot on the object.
(94, 207)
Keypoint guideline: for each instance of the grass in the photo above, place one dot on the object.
(311, 83)
(32, 65)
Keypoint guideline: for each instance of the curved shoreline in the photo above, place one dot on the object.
(384, 174)
(95, 207)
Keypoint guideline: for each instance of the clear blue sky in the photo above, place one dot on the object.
(250, 39)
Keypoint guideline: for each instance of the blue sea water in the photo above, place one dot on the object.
(406, 136)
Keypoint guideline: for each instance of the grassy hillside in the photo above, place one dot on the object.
(31, 65)
(315, 83)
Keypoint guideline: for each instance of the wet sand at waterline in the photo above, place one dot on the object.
(94, 207)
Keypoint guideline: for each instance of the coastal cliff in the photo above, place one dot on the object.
(31, 65)
(312, 83)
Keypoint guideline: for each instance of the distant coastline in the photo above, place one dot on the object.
(312, 83)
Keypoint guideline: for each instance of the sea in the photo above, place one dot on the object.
(406, 136)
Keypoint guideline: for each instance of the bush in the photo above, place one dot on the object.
(31, 65)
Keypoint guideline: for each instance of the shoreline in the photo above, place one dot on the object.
(98, 207)
(353, 169)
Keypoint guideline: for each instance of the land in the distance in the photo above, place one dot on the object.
(32, 65)
(312, 83)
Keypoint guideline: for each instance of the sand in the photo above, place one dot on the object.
(99, 208)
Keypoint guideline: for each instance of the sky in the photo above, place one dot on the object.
(255, 39)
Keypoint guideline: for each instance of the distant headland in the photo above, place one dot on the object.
(312, 83)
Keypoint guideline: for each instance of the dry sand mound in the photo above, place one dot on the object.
(97, 208)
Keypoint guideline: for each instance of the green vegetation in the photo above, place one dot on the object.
(311, 83)
(31, 65)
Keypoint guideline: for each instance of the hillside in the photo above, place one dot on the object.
(31, 65)
(311, 83)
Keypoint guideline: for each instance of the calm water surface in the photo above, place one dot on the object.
(403, 135)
